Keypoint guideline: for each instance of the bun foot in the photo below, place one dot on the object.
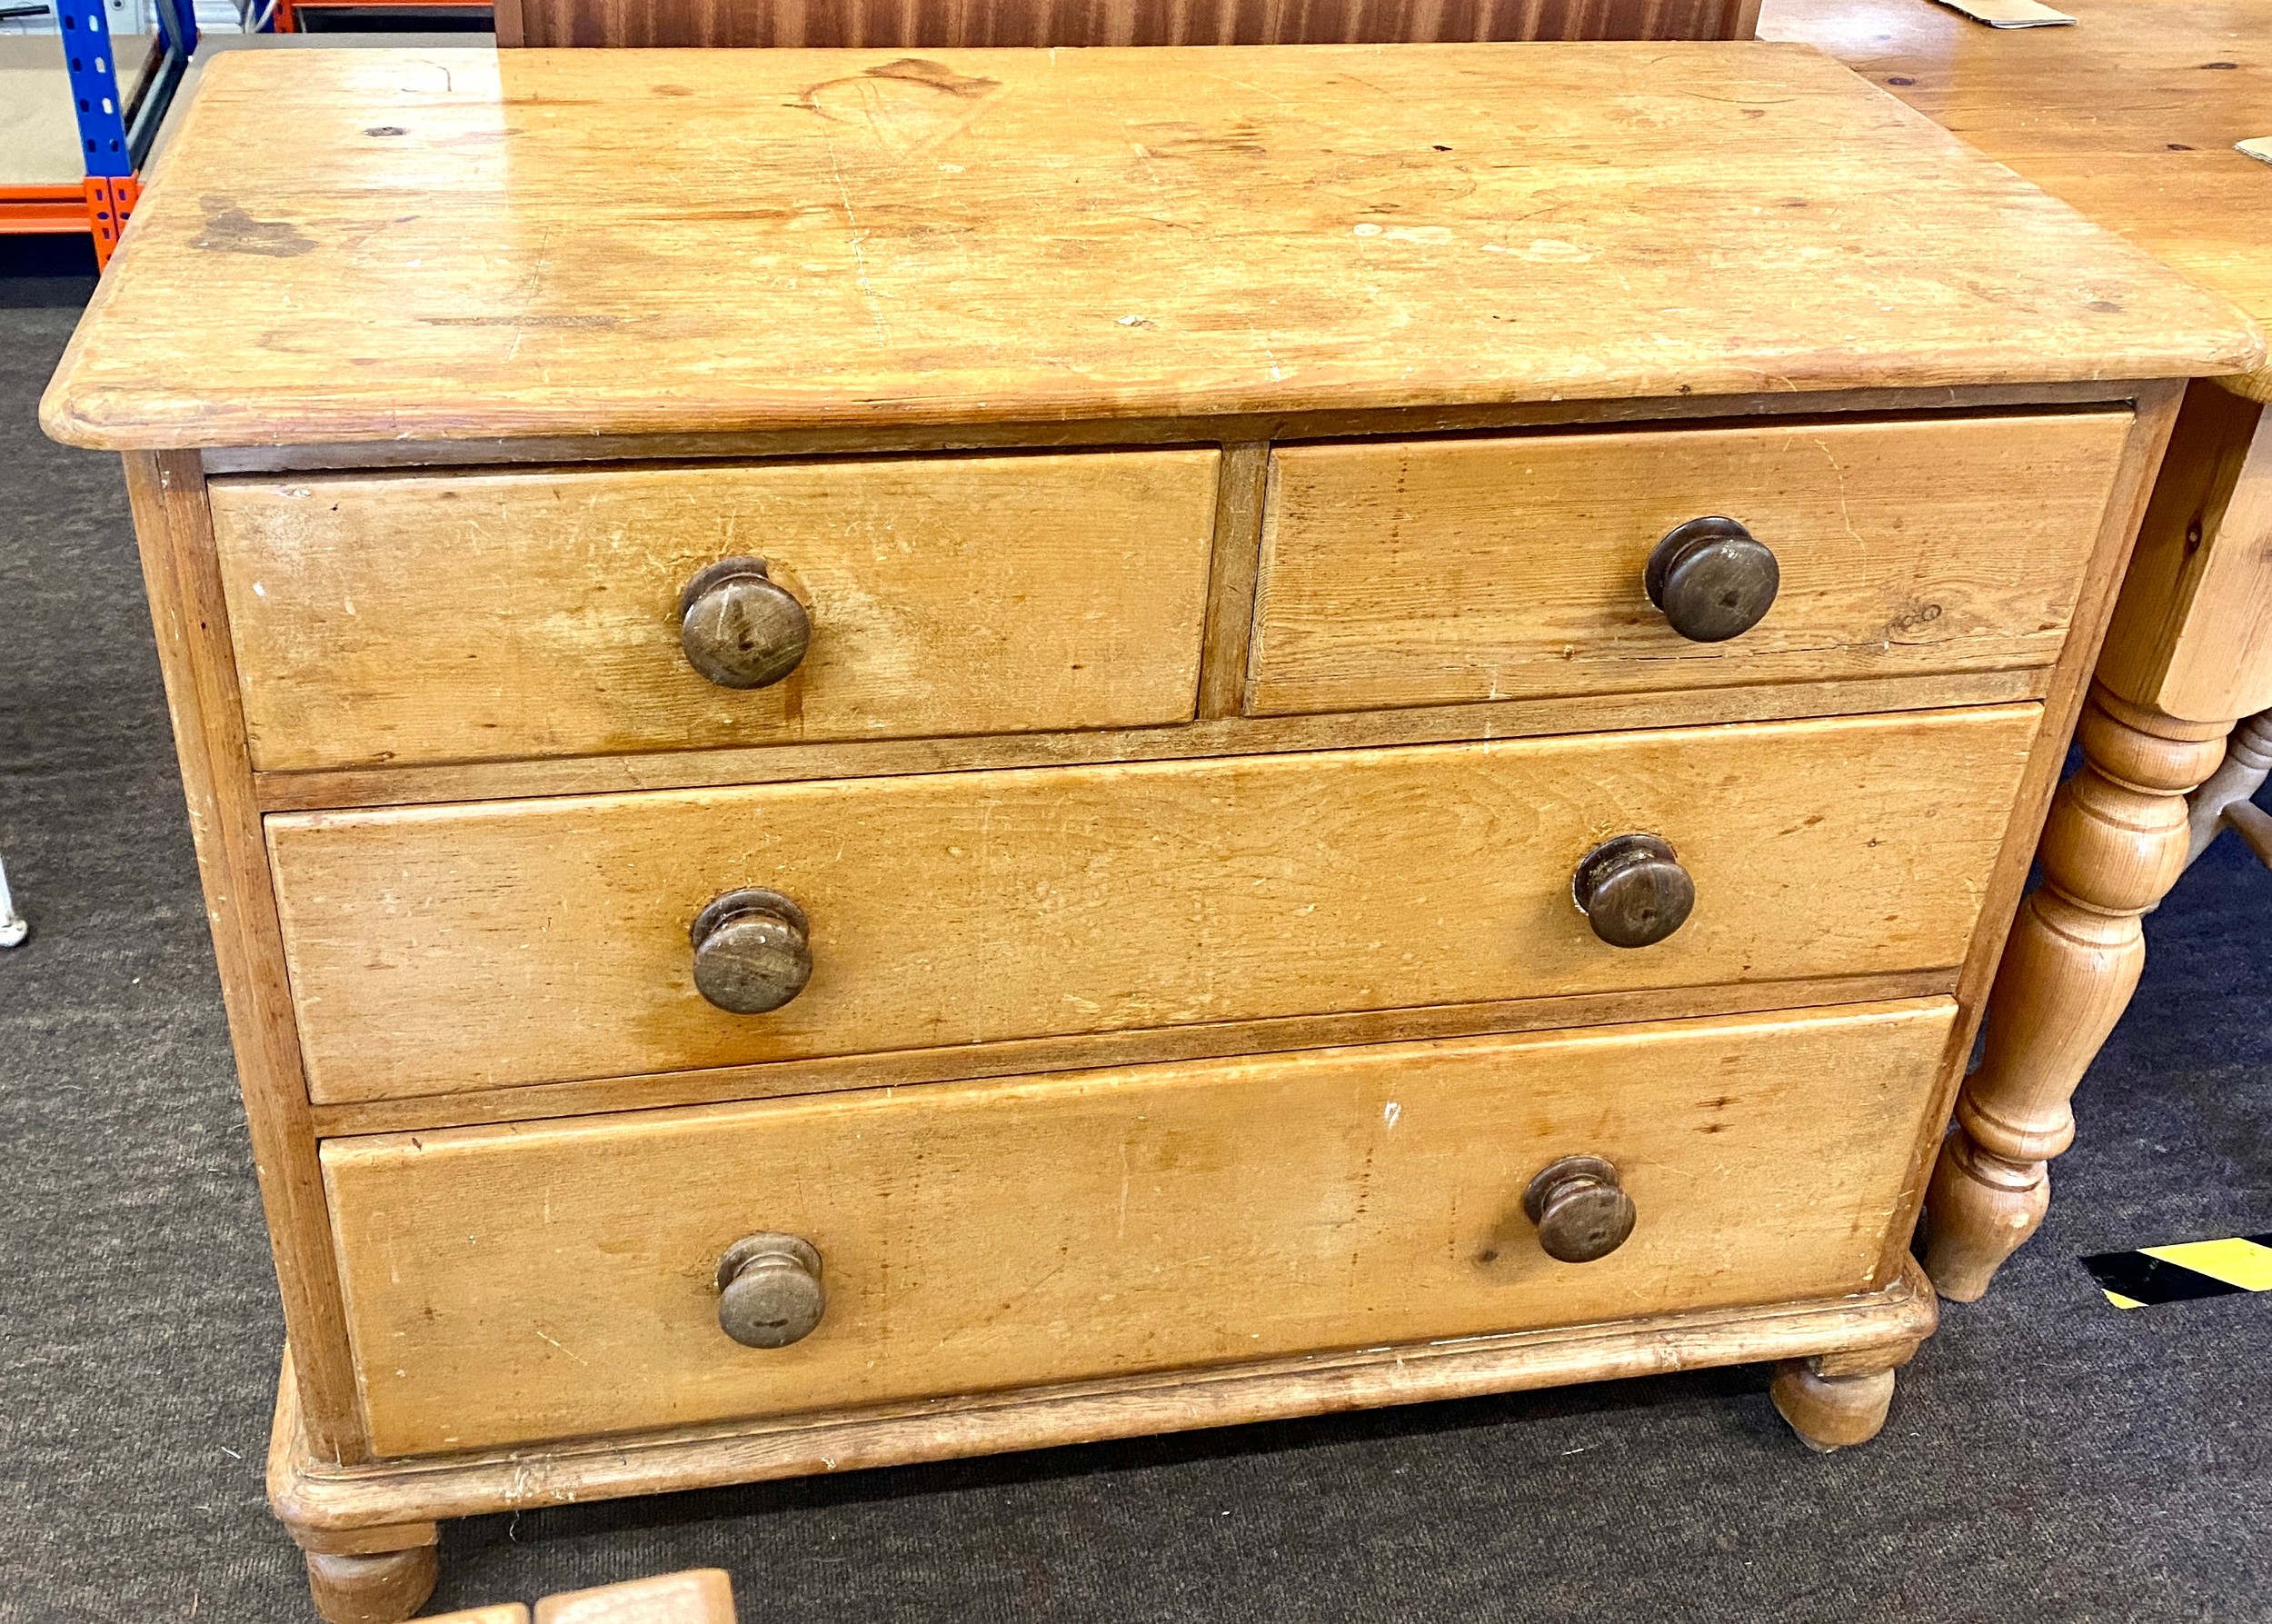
(1830, 1412)
(383, 1588)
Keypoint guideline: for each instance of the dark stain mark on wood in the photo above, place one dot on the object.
(937, 75)
(902, 117)
(230, 230)
(1913, 618)
(1180, 138)
(906, 70)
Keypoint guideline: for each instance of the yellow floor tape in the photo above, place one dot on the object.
(2185, 1272)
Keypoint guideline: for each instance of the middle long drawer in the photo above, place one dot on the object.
(441, 949)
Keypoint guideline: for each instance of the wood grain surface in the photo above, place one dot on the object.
(2116, 842)
(341, 788)
(907, 24)
(312, 1494)
(1242, 487)
(2132, 116)
(1440, 571)
(2192, 635)
(983, 1235)
(904, 1068)
(703, 1596)
(479, 245)
(399, 619)
(173, 531)
(2158, 409)
(1119, 432)
(435, 949)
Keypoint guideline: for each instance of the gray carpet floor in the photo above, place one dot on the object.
(2049, 1457)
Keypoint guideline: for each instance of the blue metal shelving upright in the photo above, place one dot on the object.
(116, 131)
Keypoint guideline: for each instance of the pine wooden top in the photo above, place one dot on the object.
(2132, 116)
(435, 245)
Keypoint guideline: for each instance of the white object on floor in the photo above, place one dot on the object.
(2010, 14)
(2261, 148)
(13, 931)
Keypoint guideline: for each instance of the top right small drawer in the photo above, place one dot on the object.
(1444, 572)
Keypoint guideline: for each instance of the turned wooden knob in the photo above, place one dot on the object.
(1633, 892)
(1713, 579)
(769, 1290)
(750, 954)
(739, 627)
(1581, 1211)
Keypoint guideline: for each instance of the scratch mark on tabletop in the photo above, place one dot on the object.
(860, 254)
(518, 320)
(1252, 89)
(1278, 373)
(536, 283)
(1845, 517)
(570, 1352)
(1143, 155)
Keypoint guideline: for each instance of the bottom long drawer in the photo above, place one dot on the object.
(506, 1285)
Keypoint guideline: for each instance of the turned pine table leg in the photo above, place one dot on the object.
(2191, 639)
(2116, 842)
(2247, 764)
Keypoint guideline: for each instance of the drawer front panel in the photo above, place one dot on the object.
(446, 948)
(1444, 572)
(510, 1284)
(462, 617)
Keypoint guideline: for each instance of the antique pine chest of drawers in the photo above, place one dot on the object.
(898, 756)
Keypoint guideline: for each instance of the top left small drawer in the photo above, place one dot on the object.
(442, 617)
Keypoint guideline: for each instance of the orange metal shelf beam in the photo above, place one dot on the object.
(98, 205)
(109, 200)
(28, 209)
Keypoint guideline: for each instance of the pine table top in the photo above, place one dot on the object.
(2132, 115)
